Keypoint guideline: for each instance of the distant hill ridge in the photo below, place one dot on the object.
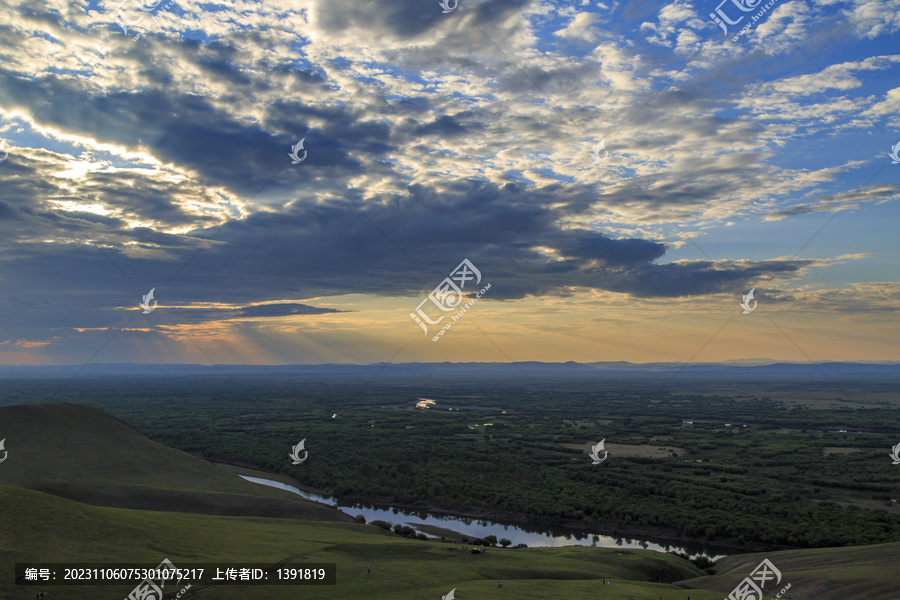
(742, 367)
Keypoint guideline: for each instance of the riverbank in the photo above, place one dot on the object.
(244, 469)
(559, 528)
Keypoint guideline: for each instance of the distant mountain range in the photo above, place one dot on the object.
(742, 367)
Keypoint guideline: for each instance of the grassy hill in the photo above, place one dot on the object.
(81, 453)
(42, 527)
(858, 572)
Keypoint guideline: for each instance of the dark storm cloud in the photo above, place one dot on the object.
(173, 314)
(404, 18)
(613, 252)
(408, 246)
(284, 310)
(799, 209)
(841, 201)
(401, 18)
(692, 279)
(186, 129)
(192, 132)
(498, 10)
(403, 247)
(445, 126)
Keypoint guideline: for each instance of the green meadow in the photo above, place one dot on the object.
(41, 527)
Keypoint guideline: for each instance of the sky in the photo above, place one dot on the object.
(327, 181)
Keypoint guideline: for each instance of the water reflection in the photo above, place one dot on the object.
(533, 536)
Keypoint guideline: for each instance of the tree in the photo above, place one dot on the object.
(505, 542)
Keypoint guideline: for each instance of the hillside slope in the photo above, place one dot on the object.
(81, 453)
(851, 573)
(43, 527)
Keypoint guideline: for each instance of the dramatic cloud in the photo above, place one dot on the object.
(283, 310)
(159, 159)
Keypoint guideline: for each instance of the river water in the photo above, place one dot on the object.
(533, 536)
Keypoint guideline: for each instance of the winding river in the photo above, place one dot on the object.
(533, 536)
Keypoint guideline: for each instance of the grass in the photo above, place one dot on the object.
(859, 572)
(81, 453)
(40, 527)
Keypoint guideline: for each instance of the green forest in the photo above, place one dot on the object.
(780, 474)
